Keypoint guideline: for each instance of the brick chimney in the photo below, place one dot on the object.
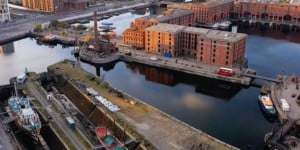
(96, 35)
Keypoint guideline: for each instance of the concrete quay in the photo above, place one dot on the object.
(17, 35)
(180, 64)
(97, 59)
(288, 90)
(270, 22)
(187, 65)
(157, 127)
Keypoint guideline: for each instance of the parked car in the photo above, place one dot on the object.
(153, 58)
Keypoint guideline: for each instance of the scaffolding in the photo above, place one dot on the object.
(4, 11)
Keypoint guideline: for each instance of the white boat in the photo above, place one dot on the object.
(224, 25)
(267, 104)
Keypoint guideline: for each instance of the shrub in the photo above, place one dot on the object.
(37, 28)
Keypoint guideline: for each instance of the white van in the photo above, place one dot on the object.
(21, 78)
(153, 58)
(284, 105)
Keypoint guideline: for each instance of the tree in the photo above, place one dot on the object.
(37, 28)
(44, 28)
(81, 27)
(87, 38)
(57, 24)
(63, 25)
(54, 23)
(64, 33)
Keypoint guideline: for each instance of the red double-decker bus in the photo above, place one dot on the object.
(225, 71)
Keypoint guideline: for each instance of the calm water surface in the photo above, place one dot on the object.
(228, 112)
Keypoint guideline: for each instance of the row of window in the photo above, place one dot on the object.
(214, 60)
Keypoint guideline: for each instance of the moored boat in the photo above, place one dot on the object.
(109, 141)
(25, 117)
(266, 104)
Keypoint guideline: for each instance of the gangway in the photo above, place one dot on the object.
(262, 77)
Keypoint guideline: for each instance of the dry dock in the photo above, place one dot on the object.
(160, 129)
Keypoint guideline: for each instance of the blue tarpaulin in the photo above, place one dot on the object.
(109, 140)
(119, 148)
(166, 54)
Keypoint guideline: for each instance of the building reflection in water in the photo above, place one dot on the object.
(292, 36)
(203, 85)
(106, 67)
(153, 74)
(7, 49)
(212, 87)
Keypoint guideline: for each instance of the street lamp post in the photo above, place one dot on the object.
(55, 10)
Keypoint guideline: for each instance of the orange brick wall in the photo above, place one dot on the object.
(160, 42)
(43, 5)
(53, 5)
(134, 38)
(135, 34)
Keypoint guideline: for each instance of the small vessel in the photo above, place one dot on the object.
(224, 25)
(108, 140)
(266, 104)
(116, 14)
(25, 117)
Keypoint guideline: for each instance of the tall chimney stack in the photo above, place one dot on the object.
(96, 36)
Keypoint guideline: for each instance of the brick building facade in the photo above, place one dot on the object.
(207, 46)
(164, 38)
(207, 12)
(55, 6)
(269, 10)
(135, 35)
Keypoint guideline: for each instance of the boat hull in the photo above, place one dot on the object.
(103, 133)
(33, 135)
(24, 116)
(265, 110)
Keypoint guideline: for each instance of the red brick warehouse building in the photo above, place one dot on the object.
(135, 35)
(207, 12)
(269, 10)
(207, 46)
